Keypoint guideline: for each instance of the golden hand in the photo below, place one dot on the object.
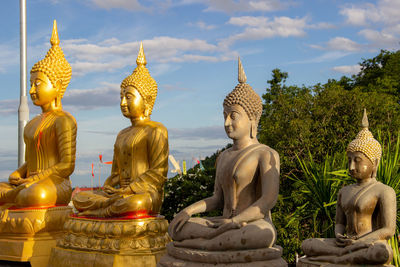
(15, 178)
(117, 191)
(110, 190)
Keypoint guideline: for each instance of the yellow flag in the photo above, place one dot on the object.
(184, 167)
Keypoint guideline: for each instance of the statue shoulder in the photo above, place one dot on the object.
(65, 118)
(156, 127)
(385, 190)
(37, 117)
(123, 131)
(345, 189)
(266, 151)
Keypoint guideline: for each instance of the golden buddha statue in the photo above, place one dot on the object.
(140, 162)
(34, 200)
(365, 213)
(120, 224)
(50, 138)
(246, 188)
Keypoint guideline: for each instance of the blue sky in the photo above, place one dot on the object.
(191, 48)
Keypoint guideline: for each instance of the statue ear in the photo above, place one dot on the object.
(375, 168)
(146, 110)
(58, 86)
(253, 129)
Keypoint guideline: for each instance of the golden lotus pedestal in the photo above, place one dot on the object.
(29, 234)
(111, 242)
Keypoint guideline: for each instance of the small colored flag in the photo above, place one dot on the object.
(184, 167)
(175, 164)
(201, 166)
(104, 162)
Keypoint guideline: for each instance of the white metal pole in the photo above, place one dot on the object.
(23, 109)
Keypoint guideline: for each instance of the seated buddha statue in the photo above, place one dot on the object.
(119, 225)
(140, 161)
(34, 201)
(43, 180)
(365, 212)
(246, 189)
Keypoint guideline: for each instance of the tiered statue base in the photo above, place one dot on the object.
(180, 257)
(304, 262)
(111, 242)
(29, 234)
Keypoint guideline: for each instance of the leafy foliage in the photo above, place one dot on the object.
(380, 74)
(319, 186)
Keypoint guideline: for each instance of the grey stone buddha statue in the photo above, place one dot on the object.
(246, 189)
(365, 213)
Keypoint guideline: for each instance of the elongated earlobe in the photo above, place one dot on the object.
(253, 130)
(146, 111)
(375, 169)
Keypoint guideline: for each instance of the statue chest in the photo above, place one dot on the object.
(356, 201)
(238, 179)
(237, 173)
(41, 143)
(131, 153)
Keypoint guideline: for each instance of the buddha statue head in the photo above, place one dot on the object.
(242, 109)
(51, 75)
(364, 153)
(138, 91)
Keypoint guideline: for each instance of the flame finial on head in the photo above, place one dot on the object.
(54, 40)
(241, 74)
(364, 122)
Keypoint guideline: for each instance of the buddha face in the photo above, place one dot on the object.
(42, 91)
(360, 167)
(237, 123)
(132, 103)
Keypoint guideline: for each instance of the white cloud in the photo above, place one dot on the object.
(107, 94)
(347, 69)
(380, 39)
(384, 11)
(83, 67)
(329, 56)
(321, 26)
(112, 54)
(202, 25)
(231, 6)
(9, 106)
(360, 15)
(339, 44)
(343, 44)
(380, 22)
(257, 28)
(132, 5)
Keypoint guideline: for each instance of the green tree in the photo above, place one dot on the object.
(380, 74)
